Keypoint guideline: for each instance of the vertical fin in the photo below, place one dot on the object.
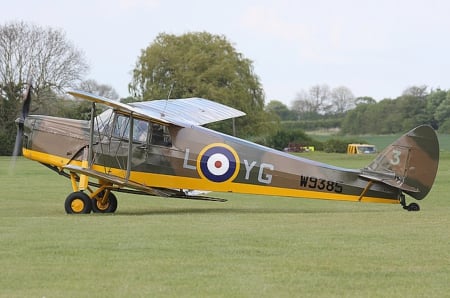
(410, 163)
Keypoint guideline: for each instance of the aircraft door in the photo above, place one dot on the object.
(159, 149)
(150, 141)
(139, 143)
(115, 149)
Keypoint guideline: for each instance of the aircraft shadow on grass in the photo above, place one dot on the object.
(236, 211)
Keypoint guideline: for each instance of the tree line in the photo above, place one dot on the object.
(196, 64)
(417, 105)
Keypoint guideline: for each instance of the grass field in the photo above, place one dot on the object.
(251, 246)
(381, 141)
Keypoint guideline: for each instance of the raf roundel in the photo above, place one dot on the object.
(218, 163)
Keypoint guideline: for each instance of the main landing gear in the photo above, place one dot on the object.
(84, 199)
(411, 206)
(80, 202)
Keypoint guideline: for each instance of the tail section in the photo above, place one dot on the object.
(410, 163)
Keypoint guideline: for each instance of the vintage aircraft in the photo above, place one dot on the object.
(160, 148)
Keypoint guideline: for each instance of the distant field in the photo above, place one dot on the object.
(251, 246)
(381, 141)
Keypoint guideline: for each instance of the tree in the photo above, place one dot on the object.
(442, 114)
(311, 104)
(320, 96)
(434, 99)
(412, 110)
(42, 55)
(416, 91)
(365, 100)
(283, 137)
(342, 99)
(303, 106)
(280, 109)
(201, 65)
(96, 88)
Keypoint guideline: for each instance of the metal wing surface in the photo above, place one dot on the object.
(193, 111)
(182, 112)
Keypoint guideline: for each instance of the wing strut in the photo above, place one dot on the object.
(88, 153)
(91, 137)
(369, 184)
(130, 147)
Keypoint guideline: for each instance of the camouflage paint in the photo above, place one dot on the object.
(199, 158)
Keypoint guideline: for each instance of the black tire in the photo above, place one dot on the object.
(413, 207)
(109, 207)
(78, 203)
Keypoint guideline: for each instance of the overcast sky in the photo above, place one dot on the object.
(375, 48)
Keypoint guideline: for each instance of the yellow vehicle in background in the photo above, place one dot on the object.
(361, 149)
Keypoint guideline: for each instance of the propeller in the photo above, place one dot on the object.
(20, 121)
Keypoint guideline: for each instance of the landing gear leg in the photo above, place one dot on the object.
(104, 202)
(410, 207)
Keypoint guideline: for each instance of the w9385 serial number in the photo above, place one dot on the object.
(320, 184)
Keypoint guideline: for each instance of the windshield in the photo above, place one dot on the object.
(367, 149)
(102, 121)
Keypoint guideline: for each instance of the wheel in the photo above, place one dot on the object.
(109, 207)
(413, 207)
(78, 202)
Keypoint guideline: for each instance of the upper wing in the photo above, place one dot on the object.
(183, 112)
(195, 110)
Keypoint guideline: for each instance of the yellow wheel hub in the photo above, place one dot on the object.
(77, 205)
(101, 206)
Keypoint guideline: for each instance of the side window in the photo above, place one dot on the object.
(120, 128)
(140, 131)
(143, 131)
(160, 135)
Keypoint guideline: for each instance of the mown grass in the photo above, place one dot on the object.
(250, 246)
(381, 141)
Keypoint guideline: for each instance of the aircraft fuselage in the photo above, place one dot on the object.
(197, 158)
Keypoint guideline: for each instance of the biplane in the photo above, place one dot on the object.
(161, 148)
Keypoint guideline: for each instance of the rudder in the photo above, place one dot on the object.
(410, 163)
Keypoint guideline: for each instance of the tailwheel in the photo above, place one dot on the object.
(102, 204)
(78, 203)
(413, 207)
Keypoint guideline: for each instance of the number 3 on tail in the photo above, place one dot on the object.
(395, 160)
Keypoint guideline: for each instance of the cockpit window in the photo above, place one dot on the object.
(120, 128)
(160, 135)
(143, 131)
(140, 131)
(103, 121)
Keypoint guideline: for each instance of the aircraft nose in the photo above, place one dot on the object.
(24, 132)
(19, 121)
(19, 136)
(28, 125)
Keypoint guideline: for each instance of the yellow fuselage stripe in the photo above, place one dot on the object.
(179, 182)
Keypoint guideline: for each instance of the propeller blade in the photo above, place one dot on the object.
(18, 144)
(20, 121)
(27, 102)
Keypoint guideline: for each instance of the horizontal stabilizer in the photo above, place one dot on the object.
(398, 183)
